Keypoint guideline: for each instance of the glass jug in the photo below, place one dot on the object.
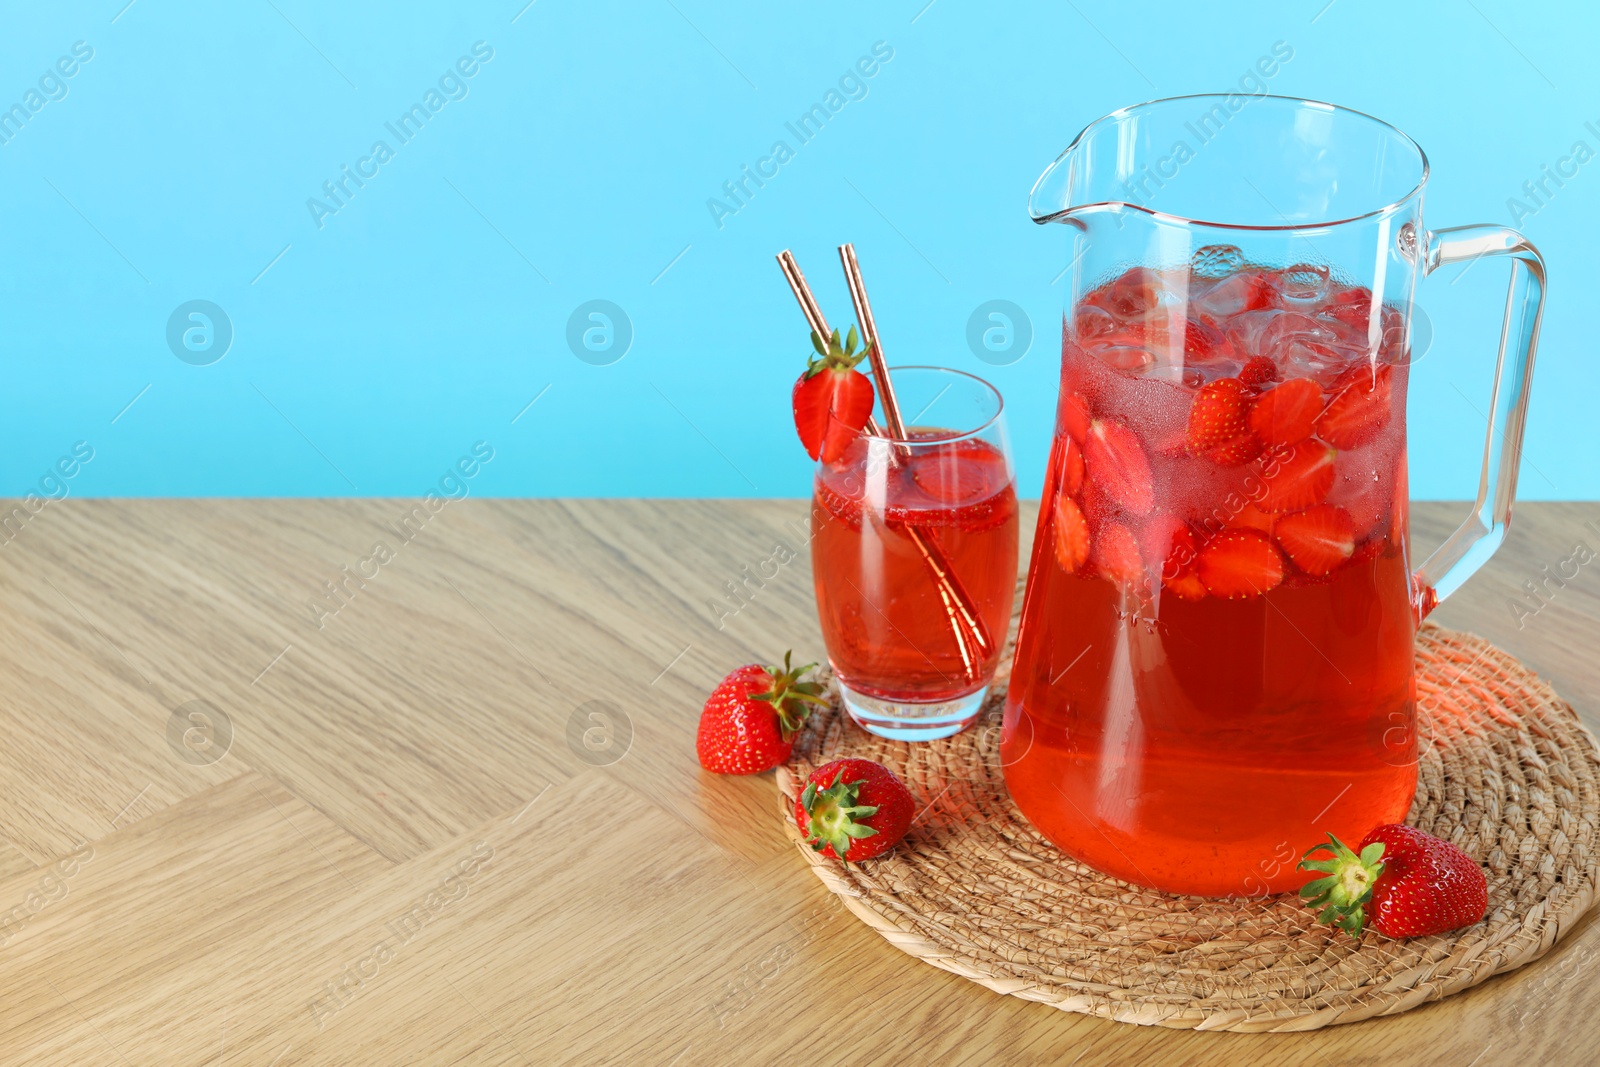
(1215, 663)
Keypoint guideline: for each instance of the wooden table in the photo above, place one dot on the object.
(273, 798)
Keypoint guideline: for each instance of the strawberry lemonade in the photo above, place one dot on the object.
(891, 638)
(1214, 665)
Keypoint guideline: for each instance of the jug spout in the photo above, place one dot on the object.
(1050, 200)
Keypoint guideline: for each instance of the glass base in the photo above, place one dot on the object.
(912, 722)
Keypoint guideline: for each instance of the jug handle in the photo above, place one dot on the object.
(1476, 539)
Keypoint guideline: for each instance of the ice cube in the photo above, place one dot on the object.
(1304, 283)
(1300, 360)
(1245, 329)
(1350, 342)
(1127, 358)
(1248, 290)
(1268, 333)
(1130, 296)
(1091, 321)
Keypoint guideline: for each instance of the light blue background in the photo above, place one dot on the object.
(433, 307)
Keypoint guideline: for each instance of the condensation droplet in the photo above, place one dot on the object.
(1216, 261)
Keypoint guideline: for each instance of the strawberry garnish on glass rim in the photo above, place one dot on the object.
(832, 400)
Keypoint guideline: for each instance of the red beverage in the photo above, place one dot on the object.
(889, 634)
(1214, 668)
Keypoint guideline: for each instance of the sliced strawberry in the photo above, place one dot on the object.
(1188, 586)
(1219, 414)
(1073, 416)
(961, 472)
(812, 398)
(1072, 535)
(1202, 341)
(1296, 477)
(1071, 465)
(1236, 453)
(951, 483)
(1284, 415)
(1166, 545)
(1251, 517)
(1317, 539)
(1182, 554)
(1258, 371)
(848, 413)
(1115, 460)
(1240, 563)
(1116, 553)
(1358, 409)
(1098, 507)
(832, 400)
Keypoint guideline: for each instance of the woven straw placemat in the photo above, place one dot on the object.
(1507, 772)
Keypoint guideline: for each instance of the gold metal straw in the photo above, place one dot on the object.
(869, 328)
(813, 313)
(950, 590)
(972, 637)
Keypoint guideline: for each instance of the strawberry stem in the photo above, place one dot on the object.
(836, 355)
(1346, 885)
(790, 697)
(832, 815)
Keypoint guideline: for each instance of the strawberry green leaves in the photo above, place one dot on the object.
(1346, 885)
(832, 400)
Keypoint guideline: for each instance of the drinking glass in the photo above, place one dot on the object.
(914, 551)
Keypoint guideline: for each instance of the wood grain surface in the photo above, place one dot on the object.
(270, 800)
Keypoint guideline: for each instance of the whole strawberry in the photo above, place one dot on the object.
(853, 809)
(749, 721)
(832, 400)
(1412, 883)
